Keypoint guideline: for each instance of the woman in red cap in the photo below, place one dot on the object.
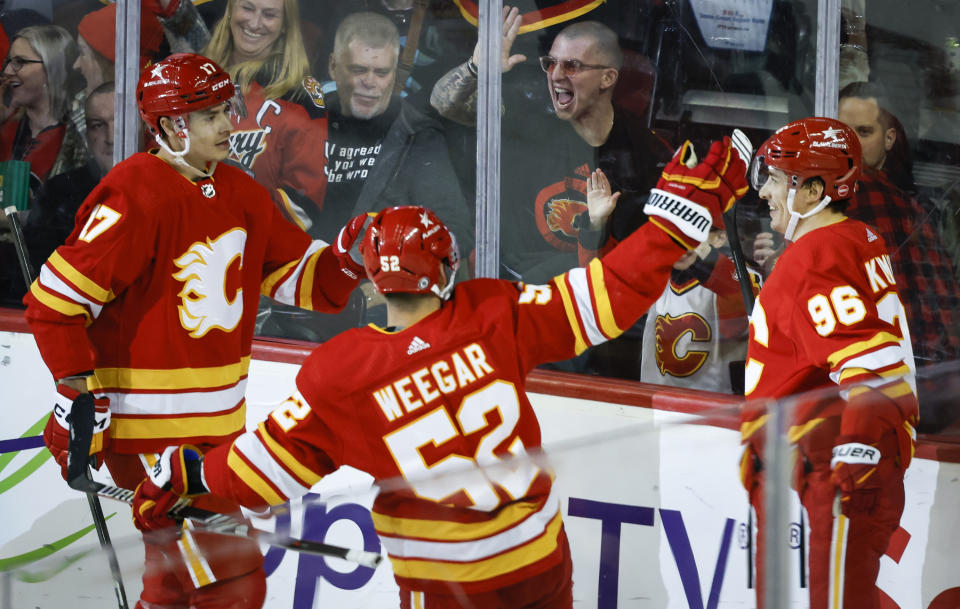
(96, 42)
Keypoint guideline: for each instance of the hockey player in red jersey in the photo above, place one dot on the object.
(150, 305)
(830, 313)
(436, 398)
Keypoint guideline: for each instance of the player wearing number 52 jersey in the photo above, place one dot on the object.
(432, 404)
(150, 305)
(830, 313)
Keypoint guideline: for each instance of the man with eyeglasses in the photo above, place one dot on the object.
(546, 227)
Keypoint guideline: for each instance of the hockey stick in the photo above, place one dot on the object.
(81, 434)
(745, 149)
(23, 257)
(96, 511)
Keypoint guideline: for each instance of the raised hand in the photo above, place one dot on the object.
(346, 246)
(765, 250)
(690, 197)
(511, 26)
(600, 201)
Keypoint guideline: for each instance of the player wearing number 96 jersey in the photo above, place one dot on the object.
(828, 314)
(433, 404)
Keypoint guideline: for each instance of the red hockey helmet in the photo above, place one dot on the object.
(812, 147)
(405, 249)
(180, 84)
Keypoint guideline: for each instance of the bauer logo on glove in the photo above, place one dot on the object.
(855, 453)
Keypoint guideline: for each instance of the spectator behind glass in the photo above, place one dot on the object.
(696, 332)
(381, 151)
(444, 40)
(582, 69)
(923, 269)
(39, 84)
(96, 43)
(885, 146)
(51, 220)
(545, 226)
(281, 124)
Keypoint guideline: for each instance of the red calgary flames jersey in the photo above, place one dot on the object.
(829, 313)
(156, 290)
(280, 142)
(436, 412)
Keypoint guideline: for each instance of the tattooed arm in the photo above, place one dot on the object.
(455, 94)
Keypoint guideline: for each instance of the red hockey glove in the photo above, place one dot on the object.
(151, 507)
(750, 466)
(876, 442)
(691, 197)
(56, 434)
(346, 246)
(856, 466)
(176, 476)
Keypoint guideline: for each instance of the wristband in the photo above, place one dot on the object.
(472, 67)
(691, 218)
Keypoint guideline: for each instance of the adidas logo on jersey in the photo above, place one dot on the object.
(417, 344)
(871, 236)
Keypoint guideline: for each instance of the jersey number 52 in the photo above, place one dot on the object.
(475, 476)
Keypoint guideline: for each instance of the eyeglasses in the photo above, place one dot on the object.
(570, 66)
(17, 62)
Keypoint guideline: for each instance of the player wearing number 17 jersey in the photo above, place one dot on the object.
(830, 314)
(436, 400)
(150, 305)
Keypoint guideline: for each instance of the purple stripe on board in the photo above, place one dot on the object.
(9, 446)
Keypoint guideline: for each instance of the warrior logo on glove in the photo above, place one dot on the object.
(690, 197)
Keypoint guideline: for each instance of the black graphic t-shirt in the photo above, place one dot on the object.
(544, 168)
(352, 149)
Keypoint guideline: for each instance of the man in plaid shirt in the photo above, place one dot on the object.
(923, 270)
(921, 265)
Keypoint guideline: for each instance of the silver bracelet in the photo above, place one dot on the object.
(851, 45)
(472, 67)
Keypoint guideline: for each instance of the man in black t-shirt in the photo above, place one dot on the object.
(380, 152)
(545, 226)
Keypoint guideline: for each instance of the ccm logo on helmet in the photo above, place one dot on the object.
(219, 85)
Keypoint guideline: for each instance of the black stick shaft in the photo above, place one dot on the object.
(96, 510)
(20, 243)
(739, 262)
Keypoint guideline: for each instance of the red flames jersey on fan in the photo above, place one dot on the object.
(445, 396)
(829, 313)
(157, 289)
(281, 143)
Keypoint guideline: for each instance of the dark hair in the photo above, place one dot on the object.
(838, 205)
(898, 165)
